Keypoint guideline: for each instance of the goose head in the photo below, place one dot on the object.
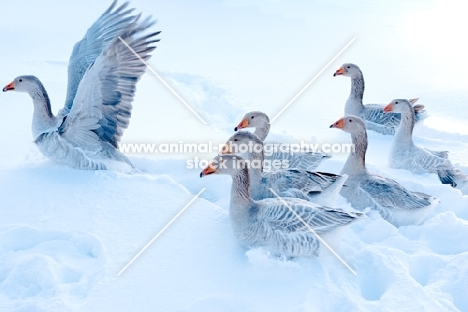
(24, 83)
(350, 124)
(225, 164)
(398, 106)
(253, 120)
(242, 142)
(348, 70)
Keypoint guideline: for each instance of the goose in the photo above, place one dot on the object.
(395, 204)
(319, 187)
(372, 114)
(102, 74)
(269, 223)
(306, 160)
(404, 154)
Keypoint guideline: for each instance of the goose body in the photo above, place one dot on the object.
(404, 154)
(102, 75)
(395, 203)
(372, 114)
(319, 187)
(305, 160)
(269, 223)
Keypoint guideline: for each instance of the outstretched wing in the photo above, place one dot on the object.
(99, 35)
(102, 105)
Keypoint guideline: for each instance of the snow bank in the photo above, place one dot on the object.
(65, 234)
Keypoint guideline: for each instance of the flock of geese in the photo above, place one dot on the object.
(281, 209)
(273, 209)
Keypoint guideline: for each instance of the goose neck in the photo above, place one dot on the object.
(404, 133)
(262, 131)
(43, 119)
(354, 103)
(255, 164)
(240, 195)
(356, 162)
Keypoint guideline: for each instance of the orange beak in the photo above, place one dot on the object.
(10, 86)
(388, 108)
(339, 71)
(210, 169)
(243, 124)
(338, 124)
(227, 149)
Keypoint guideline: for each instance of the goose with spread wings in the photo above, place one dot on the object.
(102, 73)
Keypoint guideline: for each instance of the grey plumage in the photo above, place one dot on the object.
(306, 160)
(98, 36)
(364, 190)
(319, 187)
(269, 223)
(372, 114)
(103, 73)
(404, 154)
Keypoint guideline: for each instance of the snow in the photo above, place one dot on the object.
(65, 233)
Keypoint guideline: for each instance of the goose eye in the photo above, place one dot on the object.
(348, 67)
(252, 117)
(21, 80)
(396, 102)
(350, 120)
(235, 140)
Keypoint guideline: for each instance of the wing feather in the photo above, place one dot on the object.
(85, 52)
(102, 106)
(388, 193)
(319, 218)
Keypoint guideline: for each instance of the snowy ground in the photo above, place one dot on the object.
(65, 233)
